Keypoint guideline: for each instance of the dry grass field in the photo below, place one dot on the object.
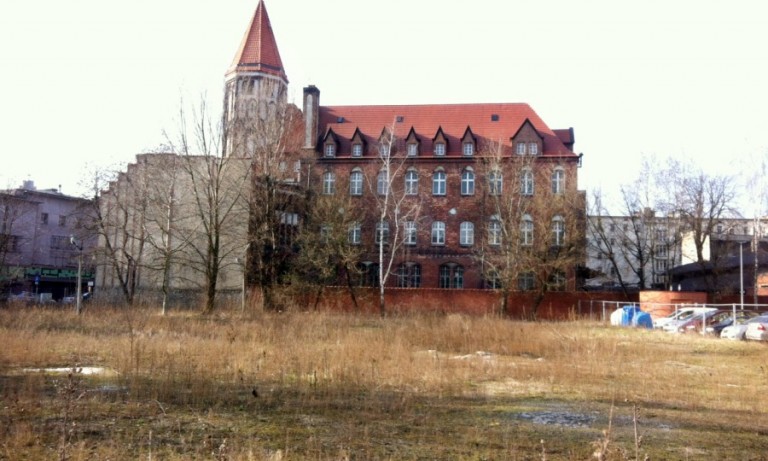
(320, 386)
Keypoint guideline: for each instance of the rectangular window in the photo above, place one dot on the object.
(330, 150)
(357, 150)
(438, 233)
(60, 242)
(494, 232)
(62, 221)
(440, 148)
(44, 218)
(413, 149)
(11, 243)
(533, 148)
(469, 148)
(521, 148)
(467, 234)
(382, 232)
(438, 183)
(526, 281)
(355, 234)
(410, 232)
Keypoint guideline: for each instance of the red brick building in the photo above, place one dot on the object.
(448, 161)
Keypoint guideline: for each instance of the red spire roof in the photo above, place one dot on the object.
(258, 51)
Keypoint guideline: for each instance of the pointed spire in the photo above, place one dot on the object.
(258, 51)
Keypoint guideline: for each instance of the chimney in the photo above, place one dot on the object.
(311, 115)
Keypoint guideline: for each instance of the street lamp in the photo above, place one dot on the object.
(79, 289)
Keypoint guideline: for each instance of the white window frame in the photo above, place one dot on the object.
(329, 183)
(533, 148)
(438, 233)
(382, 232)
(527, 182)
(330, 150)
(558, 181)
(356, 182)
(468, 149)
(495, 183)
(357, 150)
(526, 231)
(468, 182)
(439, 182)
(466, 234)
(520, 148)
(355, 234)
(413, 149)
(494, 231)
(558, 231)
(440, 149)
(410, 232)
(382, 183)
(411, 182)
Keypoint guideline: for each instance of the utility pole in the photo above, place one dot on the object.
(79, 289)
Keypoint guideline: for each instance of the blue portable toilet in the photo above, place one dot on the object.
(642, 320)
(627, 317)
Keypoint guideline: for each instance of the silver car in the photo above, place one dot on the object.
(738, 331)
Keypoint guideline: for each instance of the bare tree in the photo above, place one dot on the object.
(115, 219)
(217, 188)
(636, 242)
(535, 231)
(394, 207)
(701, 201)
(329, 241)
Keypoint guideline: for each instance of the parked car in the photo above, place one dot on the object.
(738, 330)
(741, 316)
(673, 326)
(757, 330)
(698, 322)
(679, 314)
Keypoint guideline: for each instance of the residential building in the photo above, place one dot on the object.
(41, 240)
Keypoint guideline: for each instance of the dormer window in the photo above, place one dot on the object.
(533, 148)
(413, 149)
(468, 143)
(440, 148)
(357, 150)
(520, 148)
(330, 150)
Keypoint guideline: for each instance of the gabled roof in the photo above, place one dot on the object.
(491, 122)
(258, 51)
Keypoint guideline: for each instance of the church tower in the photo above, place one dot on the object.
(255, 81)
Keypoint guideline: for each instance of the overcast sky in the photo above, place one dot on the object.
(89, 83)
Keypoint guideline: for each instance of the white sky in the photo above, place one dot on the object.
(87, 83)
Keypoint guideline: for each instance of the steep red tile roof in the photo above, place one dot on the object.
(258, 51)
(494, 122)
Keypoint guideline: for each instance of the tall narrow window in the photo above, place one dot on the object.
(468, 182)
(329, 183)
(411, 182)
(520, 148)
(355, 234)
(409, 229)
(382, 183)
(494, 231)
(382, 232)
(526, 231)
(558, 181)
(467, 234)
(438, 233)
(495, 182)
(526, 183)
(558, 231)
(356, 183)
(438, 182)
(533, 148)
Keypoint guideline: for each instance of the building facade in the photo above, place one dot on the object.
(37, 252)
